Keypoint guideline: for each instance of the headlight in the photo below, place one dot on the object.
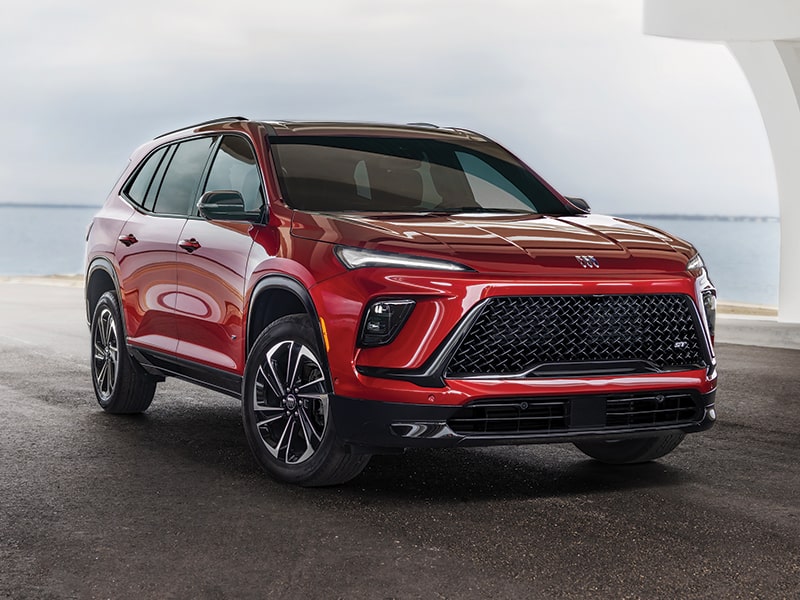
(706, 291)
(695, 263)
(697, 267)
(710, 308)
(357, 258)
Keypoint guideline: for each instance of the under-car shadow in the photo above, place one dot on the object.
(209, 433)
(504, 473)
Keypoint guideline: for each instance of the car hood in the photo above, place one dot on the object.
(505, 243)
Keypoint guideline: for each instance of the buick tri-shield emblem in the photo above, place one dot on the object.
(588, 262)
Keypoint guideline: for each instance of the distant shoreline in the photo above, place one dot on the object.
(679, 217)
(47, 205)
(632, 216)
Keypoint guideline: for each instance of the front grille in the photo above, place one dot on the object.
(515, 335)
(561, 416)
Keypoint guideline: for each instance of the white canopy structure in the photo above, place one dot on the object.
(764, 37)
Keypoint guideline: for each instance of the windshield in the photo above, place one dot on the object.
(392, 174)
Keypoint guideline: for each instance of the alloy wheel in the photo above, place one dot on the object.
(290, 402)
(106, 354)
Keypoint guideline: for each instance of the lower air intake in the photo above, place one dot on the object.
(559, 416)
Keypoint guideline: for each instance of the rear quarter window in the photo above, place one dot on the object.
(137, 188)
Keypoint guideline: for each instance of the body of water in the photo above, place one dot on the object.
(43, 240)
(741, 255)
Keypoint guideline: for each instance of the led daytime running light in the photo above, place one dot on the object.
(358, 258)
(695, 263)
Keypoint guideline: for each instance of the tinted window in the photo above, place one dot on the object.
(178, 192)
(486, 183)
(235, 168)
(330, 173)
(137, 188)
(155, 186)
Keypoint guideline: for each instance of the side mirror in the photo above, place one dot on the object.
(579, 203)
(225, 205)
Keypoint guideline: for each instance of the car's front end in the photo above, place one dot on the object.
(421, 357)
(464, 302)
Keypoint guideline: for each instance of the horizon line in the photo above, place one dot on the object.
(47, 205)
(626, 215)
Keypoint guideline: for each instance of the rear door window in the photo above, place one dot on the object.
(178, 193)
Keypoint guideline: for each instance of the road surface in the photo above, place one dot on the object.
(171, 505)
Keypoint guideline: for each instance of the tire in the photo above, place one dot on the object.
(285, 409)
(631, 451)
(121, 386)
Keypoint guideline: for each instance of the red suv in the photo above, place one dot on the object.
(368, 288)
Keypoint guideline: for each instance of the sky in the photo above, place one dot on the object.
(632, 123)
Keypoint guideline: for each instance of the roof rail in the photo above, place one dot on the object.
(425, 125)
(211, 122)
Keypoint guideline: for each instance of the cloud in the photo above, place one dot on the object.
(634, 124)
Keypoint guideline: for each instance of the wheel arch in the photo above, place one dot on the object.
(277, 296)
(101, 277)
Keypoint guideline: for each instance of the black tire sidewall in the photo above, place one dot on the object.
(297, 328)
(108, 301)
(133, 387)
(631, 451)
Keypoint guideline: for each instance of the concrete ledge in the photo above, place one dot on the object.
(757, 331)
(60, 280)
(742, 309)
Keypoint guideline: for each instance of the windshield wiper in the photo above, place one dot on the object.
(481, 209)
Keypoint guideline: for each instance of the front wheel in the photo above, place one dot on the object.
(286, 412)
(120, 384)
(631, 451)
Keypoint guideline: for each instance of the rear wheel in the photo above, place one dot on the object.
(120, 384)
(285, 409)
(631, 451)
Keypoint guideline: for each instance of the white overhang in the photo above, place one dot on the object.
(723, 20)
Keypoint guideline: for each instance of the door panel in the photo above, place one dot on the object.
(166, 183)
(211, 264)
(146, 253)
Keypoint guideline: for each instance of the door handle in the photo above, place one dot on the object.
(128, 240)
(189, 245)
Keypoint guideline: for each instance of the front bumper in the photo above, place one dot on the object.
(374, 426)
(413, 368)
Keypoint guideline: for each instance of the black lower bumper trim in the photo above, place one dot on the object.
(391, 425)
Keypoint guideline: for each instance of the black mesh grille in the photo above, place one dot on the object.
(560, 416)
(515, 334)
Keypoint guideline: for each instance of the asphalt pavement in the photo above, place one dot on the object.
(170, 504)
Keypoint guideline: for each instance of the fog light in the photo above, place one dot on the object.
(383, 320)
(710, 307)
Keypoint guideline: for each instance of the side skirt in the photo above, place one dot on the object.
(158, 363)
